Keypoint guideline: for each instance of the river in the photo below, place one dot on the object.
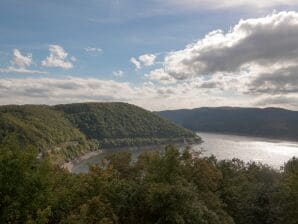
(267, 151)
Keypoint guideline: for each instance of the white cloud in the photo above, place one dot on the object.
(20, 63)
(256, 60)
(144, 60)
(161, 76)
(118, 73)
(261, 41)
(21, 60)
(11, 69)
(57, 58)
(147, 59)
(135, 62)
(93, 50)
(257, 56)
(71, 89)
(188, 94)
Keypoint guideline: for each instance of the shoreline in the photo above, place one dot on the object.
(264, 138)
(69, 165)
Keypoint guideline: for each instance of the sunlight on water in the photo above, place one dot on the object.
(268, 151)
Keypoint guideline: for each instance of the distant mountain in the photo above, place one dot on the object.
(268, 122)
(66, 131)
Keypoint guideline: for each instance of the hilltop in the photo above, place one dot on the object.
(66, 131)
(268, 122)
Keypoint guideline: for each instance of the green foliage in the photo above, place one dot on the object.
(120, 121)
(39, 126)
(247, 190)
(287, 194)
(25, 187)
(160, 187)
(64, 132)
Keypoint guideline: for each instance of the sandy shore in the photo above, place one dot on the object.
(69, 165)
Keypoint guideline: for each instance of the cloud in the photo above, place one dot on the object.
(21, 60)
(20, 63)
(144, 60)
(161, 76)
(20, 70)
(257, 56)
(280, 81)
(256, 60)
(135, 62)
(50, 90)
(147, 59)
(188, 94)
(72, 89)
(93, 50)
(118, 73)
(289, 101)
(223, 4)
(261, 41)
(254, 63)
(57, 58)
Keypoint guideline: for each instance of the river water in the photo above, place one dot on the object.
(267, 151)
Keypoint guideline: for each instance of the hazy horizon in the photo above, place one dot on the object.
(184, 108)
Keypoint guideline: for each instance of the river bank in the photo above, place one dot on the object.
(249, 149)
(69, 165)
(133, 149)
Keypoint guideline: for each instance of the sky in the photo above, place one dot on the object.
(159, 55)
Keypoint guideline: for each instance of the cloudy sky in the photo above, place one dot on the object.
(157, 54)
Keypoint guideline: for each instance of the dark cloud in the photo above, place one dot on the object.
(280, 81)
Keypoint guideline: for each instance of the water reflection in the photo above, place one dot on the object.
(268, 151)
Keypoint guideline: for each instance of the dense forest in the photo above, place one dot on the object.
(65, 131)
(268, 122)
(160, 187)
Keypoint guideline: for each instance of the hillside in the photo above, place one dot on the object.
(66, 131)
(121, 124)
(268, 122)
(41, 127)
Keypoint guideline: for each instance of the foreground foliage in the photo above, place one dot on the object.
(167, 187)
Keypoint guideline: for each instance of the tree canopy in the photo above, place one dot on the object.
(160, 187)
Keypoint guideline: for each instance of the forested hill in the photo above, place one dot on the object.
(268, 122)
(71, 129)
(119, 121)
